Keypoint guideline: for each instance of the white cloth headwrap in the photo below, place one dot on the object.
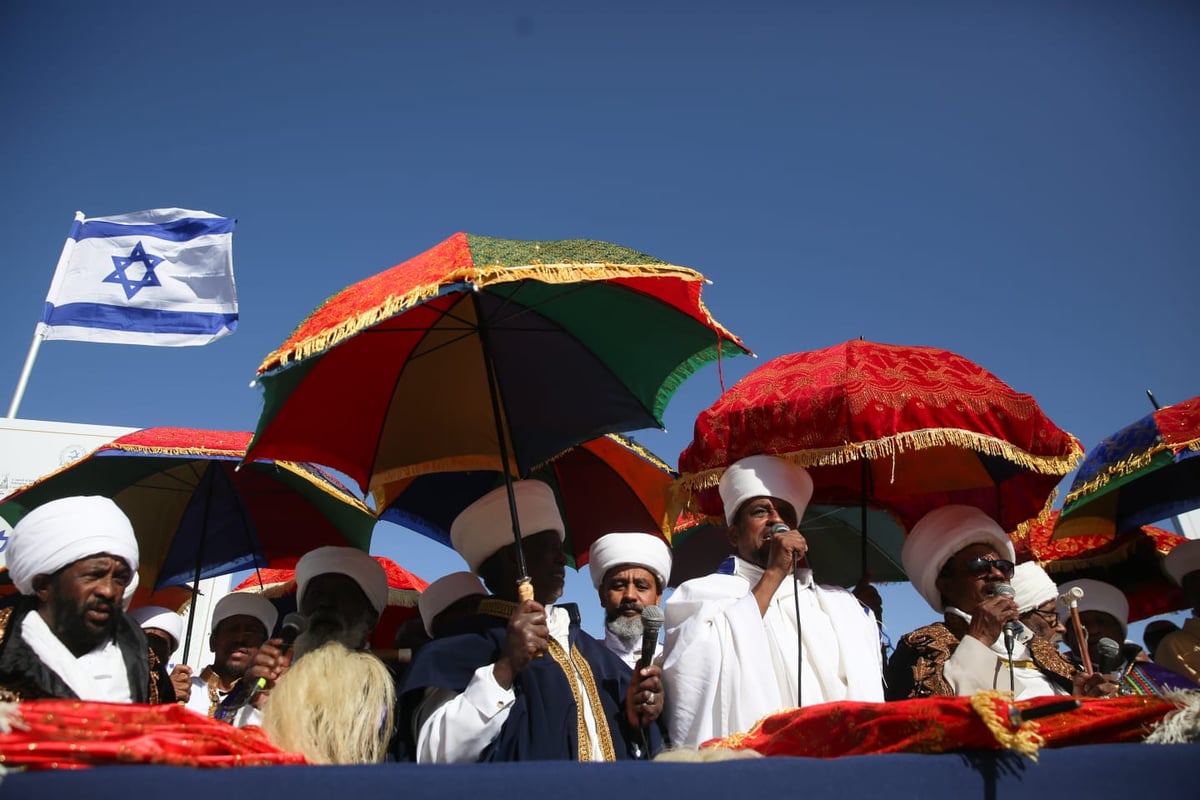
(1099, 596)
(348, 561)
(485, 526)
(444, 592)
(629, 549)
(162, 618)
(941, 533)
(764, 476)
(1032, 587)
(62, 532)
(237, 604)
(1183, 559)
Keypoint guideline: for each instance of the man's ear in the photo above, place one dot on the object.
(733, 534)
(41, 587)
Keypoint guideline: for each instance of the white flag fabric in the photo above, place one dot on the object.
(157, 277)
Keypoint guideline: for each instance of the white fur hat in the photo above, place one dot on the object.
(237, 604)
(485, 526)
(941, 533)
(629, 549)
(1099, 596)
(1032, 587)
(445, 592)
(348, 561)
(62, 532)
(162, 618)
(764, 476)
(1183, 559)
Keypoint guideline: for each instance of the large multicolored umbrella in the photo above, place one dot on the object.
(607, 484)
(195, 514)
(1131, 561)
(896, 428)
(278, 584)
(485, 354)
(1145, 472)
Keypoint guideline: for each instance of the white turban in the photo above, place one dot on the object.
(941, 533)
(445, 592)
(630, 549)
(1099, 596)
(1183, 559)
(485, 526)
(238, 604)
(764, 476)
(162, 618)
(62, 532)
(348, 561)
(1032, 587)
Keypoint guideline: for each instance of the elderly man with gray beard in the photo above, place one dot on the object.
(629, 571)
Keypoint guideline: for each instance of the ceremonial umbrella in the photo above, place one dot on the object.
(903, 429)
(608, 484)
(195, 513)
(485, 354)
(278, 584)
(1131, 560)
(1143, 473)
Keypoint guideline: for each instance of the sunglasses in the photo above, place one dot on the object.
(981, 567)
(1048, 617)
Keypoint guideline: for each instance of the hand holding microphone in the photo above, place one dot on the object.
(788, 548)
(261, 674)
(996, 615)
(644, 699)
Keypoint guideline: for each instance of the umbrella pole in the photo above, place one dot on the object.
(866, 474)
(187, 642)
(524, 584)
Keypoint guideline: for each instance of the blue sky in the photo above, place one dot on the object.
(1015, 182)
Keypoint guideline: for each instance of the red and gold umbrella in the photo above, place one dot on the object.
(1131, 561)
(902, 429)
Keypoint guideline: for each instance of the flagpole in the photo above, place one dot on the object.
(39, 332)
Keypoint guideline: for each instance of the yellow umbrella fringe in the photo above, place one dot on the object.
(616, 438)
(1025, 739)
(1124, 467)
(900, 443)
(199, 452)
(481, 277)
(1116, 555)
(380, 481)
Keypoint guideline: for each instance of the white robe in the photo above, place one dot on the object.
(727, 666)
(974, 667)
(629, 652)
(98, 675)
(199, 701)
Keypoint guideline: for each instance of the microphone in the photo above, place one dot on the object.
(652, 620)
(780, 527)
(1111, 658)
(244, 692)
(1012, 627)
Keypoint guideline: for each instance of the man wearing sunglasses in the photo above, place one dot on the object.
(961, 562)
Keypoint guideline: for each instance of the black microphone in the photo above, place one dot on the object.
(244, 692)
(1012, 627)
(1110, 656)
(652, 620)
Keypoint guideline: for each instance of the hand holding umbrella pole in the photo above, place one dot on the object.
(1071, 601)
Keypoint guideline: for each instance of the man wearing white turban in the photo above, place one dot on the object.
(629, 571)
(163, 628)
(735, 647)
(240, 623)
(961, 561)
(1179, 651)
(68, 636)
(524, 681)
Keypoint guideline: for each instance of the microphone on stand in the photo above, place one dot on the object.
(244, 692)
(1011, 629)
(778, 529)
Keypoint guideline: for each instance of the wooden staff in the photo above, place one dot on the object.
(1071, 601)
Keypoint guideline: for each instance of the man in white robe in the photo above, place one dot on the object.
(629, 572)
(735, 649)
(241, 622)
(72, 561)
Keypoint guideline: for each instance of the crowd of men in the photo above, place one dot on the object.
(490, 676)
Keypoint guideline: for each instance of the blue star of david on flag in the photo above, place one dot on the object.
(123, 263)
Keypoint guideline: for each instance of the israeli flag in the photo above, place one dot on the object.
(157, 277)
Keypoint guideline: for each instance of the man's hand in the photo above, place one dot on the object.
(779, 565)
(1094, 684)
(988, 618)
(644, 698)
(181, 682)
(270, 662)
(527, 638)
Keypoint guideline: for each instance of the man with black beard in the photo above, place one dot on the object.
(629, 572)
(67, 636)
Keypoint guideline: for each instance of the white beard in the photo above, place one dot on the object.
(627, 629)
